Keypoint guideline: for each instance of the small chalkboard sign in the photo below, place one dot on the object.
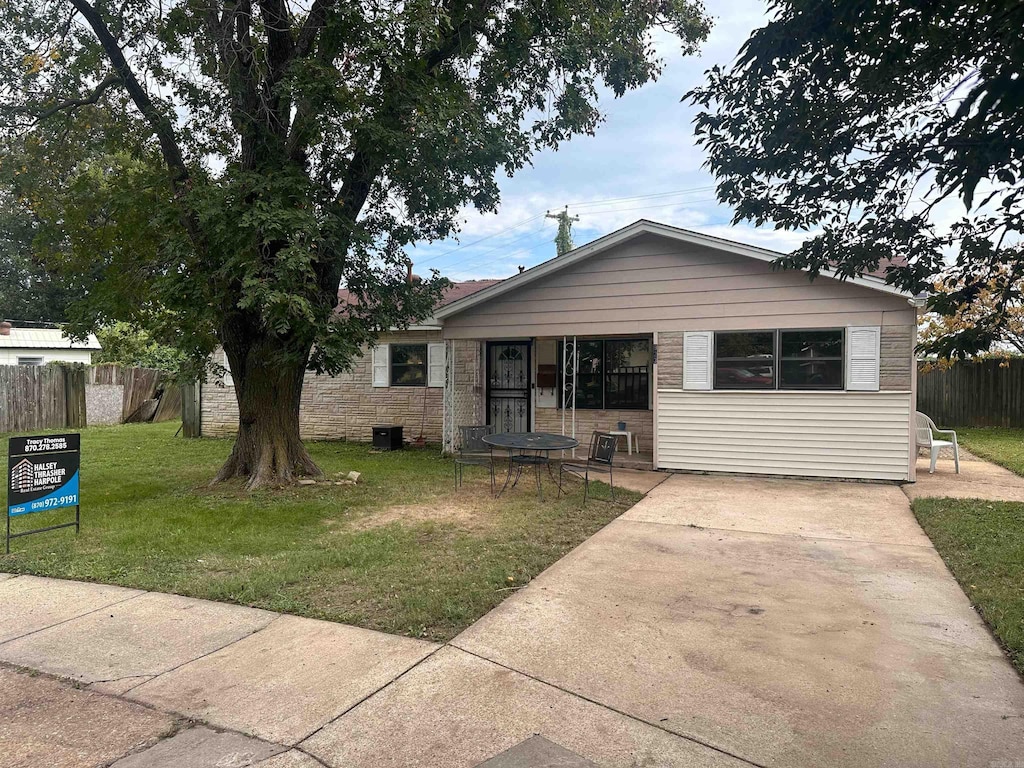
(42, 473)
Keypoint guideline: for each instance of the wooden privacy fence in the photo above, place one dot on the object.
(55, 396)
(983, 393)
(34, 397)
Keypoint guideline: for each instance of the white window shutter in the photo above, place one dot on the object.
(698, 353)
(381, 365)
(435, 365)
(863, 356)
(228, 380)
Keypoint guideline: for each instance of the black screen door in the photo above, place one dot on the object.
(508, 385)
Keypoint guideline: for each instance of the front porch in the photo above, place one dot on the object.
(569, 385)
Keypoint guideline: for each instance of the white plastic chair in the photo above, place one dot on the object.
(926, 431)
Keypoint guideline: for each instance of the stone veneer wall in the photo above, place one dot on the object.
(344, 407)
(670, 359)
(640, 423)
(897, 350)
(895, 365)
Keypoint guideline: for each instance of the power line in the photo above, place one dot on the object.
(641, 197)
(482, 239)
(585, 203)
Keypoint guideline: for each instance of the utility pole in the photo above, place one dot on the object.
(563, 240)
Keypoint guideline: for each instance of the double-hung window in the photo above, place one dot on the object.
(784, 359)
(408, 365)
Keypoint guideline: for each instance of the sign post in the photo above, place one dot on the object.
(42, 475)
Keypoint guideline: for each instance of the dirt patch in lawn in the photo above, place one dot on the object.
(470, 509)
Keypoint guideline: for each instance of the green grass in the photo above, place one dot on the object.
(982, 542)
(401, 552)
(1003, 446)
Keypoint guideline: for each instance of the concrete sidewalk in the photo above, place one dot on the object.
(135, 679)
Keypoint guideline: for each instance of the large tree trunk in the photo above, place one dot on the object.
(268, 387)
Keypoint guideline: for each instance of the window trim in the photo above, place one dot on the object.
(777, 359)
(391, 363)
(31, 361)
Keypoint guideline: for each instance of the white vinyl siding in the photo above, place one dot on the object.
(807, 434)
(863, 358)
(435, 365)
(698, 352)
(381, 365)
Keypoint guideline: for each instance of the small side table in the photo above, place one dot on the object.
(626, 434)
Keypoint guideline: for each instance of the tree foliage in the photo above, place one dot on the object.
(130, 346)
(869, 119)
(247, 157)
(968, 317)
(27, 290)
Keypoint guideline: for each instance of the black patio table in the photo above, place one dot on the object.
(538, 442)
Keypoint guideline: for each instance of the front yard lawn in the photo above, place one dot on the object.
(982, 542)
(400, 552)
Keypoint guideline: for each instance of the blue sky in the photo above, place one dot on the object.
(644, 148)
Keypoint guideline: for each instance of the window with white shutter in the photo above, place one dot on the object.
(697, 358)
(863, 356)
(381, 367)
(435, 365)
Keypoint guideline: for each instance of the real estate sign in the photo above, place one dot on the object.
(42, 473)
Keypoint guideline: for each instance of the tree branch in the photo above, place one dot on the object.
(311, 27)
(158, 122)
(97, 93)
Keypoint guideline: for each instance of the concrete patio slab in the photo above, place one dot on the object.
(639, 480)
(978, 479)
(456, 710)
(201, 747)
(785, 651)
(5, 576)
(286, 681)
(811, 508)
(46, 722)
(146, 635)
(31, 603)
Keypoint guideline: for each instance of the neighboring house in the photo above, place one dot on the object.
(39, 346)
(716, 360)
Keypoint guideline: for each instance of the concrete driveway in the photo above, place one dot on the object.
(759, 622)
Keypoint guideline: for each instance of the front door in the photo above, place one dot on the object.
(508, 385)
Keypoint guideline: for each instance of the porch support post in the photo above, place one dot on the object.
(448, 399)
(569, 360)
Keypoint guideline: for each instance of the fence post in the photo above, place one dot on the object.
(74, 395)
(191, 420)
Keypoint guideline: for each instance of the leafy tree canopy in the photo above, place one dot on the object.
(862, 118)
(27, 290)
(935, 327)
(245, 158)
(127, 345)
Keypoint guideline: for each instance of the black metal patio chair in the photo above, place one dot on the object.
(474, 451)
(602, 453)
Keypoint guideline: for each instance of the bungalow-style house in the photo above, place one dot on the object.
(715, 360)
(39, 346)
